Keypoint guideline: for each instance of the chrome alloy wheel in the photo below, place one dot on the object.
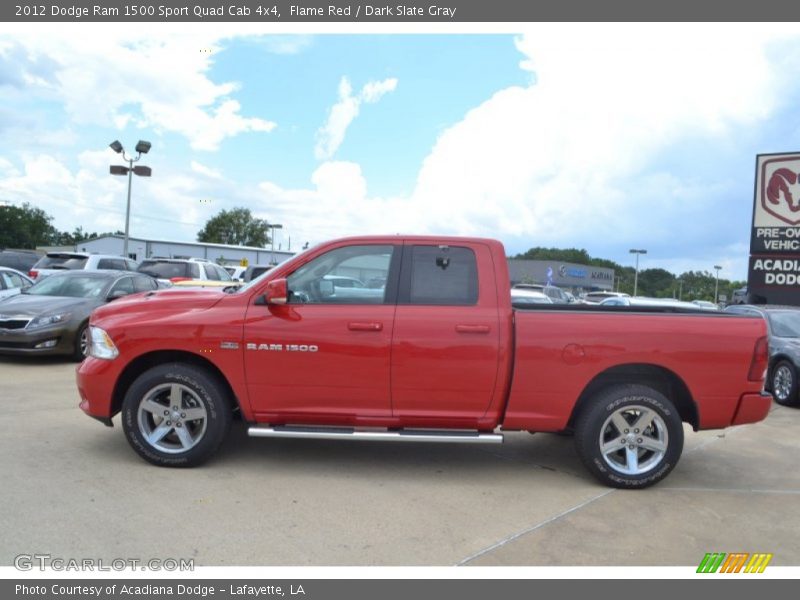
(633, 440)
(782, 382)
(172, 418)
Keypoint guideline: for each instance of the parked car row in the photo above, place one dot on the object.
(47, 311)
(52, 315)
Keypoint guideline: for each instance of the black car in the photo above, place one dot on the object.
(51, 317)
(783, 329)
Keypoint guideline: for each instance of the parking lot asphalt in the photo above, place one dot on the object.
(72, 488)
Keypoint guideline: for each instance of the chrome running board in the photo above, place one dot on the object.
(402, 435)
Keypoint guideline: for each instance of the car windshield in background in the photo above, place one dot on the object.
(61, 261)
(72, 287)
(785, 323)
(168, 270)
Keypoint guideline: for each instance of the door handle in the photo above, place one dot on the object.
(365, 326)
(472, 328)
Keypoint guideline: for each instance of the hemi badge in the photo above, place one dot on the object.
(229, 345)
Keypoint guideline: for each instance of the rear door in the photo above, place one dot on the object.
(446, 346)
(326, 354)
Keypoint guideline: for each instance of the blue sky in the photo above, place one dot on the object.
(597, 136)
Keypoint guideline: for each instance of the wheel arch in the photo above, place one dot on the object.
(659, 378)
(146, 361)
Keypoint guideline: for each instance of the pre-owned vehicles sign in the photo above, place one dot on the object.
(774, 276)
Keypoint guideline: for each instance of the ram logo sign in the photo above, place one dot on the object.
(775, 234)
(737, 562)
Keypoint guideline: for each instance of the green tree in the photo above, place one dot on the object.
(657, 283)
(25, 227)
(236, 226)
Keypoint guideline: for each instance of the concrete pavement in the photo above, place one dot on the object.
(73, 488)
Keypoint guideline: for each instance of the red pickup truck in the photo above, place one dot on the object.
(416, 339)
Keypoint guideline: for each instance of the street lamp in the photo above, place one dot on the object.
(636, 275)
(142, 147)
(716, 286)
(274, 226)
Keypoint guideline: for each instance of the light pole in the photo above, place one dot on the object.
(716, 286)
(273, 226)
(636, 275)
(142, 147)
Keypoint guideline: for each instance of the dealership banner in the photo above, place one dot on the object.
(774, 272)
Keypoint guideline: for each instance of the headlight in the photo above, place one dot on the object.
(46, 320)
(101, 345)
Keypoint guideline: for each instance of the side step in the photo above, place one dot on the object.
(402, 435)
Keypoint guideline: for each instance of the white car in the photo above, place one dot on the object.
(236, 272)
(644, 302)
(172, 270)
(56, 262)
(12, 282)
(598, 297)
(527, 296)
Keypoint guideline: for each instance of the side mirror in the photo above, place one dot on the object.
(116, 295)
(277, 292)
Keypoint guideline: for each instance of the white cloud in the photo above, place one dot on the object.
(331, 135)
(89, 197)
(206, 171)
(117, 75)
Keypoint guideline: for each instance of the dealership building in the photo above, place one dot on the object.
(570, 276)
(141, 248)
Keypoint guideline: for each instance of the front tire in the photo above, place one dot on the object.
(784, 383)
(630, 436)
(81, 349)
(176, 415)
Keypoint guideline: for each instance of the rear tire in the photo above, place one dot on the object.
(630, 436)
(784, 383)
(176, 415)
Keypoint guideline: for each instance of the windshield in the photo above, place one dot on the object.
(785, 323)
(72, 287)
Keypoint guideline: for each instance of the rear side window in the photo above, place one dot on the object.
(111, 263)
(168, 270)
(61, 261)
(443, 275)
(143, 283)
(211, 273)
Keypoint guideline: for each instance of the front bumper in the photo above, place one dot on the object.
(752, 408)
(96, 379)
(45, 341)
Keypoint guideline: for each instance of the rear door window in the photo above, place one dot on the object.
(440, 275)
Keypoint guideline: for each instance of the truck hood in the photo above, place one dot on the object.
(169, 300)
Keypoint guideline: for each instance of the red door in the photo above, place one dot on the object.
(326, 354)
(445, 351)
